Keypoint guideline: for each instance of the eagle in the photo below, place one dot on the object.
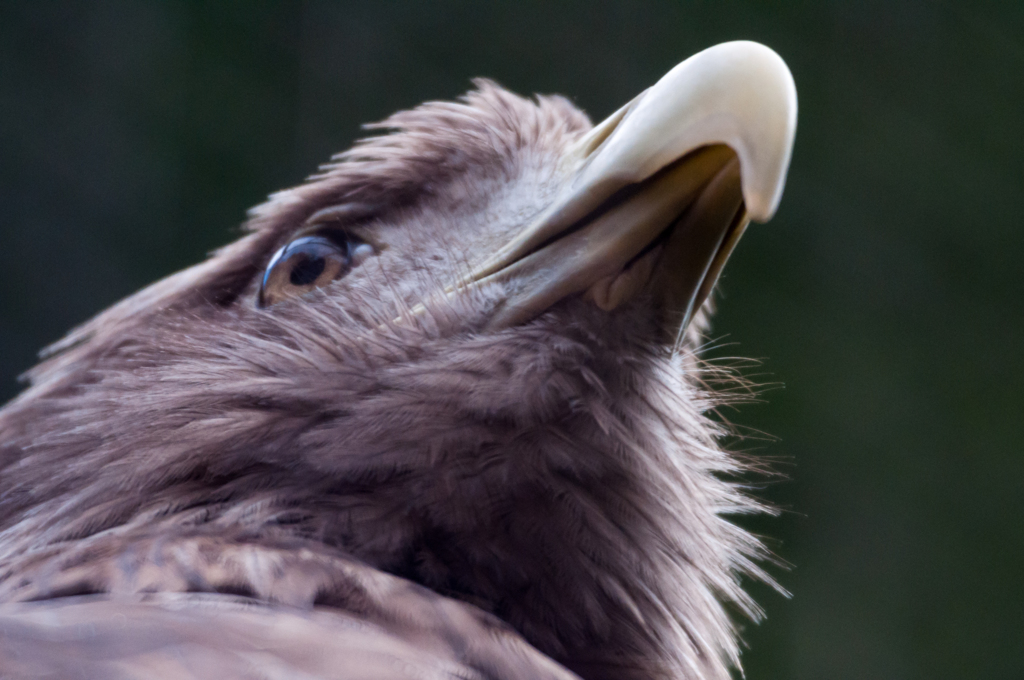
(440, 412)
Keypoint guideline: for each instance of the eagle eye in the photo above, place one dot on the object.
(308, 263)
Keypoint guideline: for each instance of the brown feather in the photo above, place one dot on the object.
(561, 475)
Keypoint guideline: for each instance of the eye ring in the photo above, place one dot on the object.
(308, 263)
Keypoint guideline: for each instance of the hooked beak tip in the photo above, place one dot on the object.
(739, 93)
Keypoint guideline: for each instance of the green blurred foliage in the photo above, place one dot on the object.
(887, 295)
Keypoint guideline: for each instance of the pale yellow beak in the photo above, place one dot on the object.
(660, 192)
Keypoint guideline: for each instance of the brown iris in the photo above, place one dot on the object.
(304, 265)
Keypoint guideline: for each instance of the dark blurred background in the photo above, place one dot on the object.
(887, 295)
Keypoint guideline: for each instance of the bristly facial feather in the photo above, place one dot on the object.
(562, 474)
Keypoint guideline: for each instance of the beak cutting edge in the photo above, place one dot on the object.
(659, 192)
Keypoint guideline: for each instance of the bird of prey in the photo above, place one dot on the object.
(439, 413)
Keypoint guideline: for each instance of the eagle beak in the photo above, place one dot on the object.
(658, 195)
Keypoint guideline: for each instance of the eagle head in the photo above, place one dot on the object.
(464, 354)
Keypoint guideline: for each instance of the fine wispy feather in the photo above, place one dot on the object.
(451, 455)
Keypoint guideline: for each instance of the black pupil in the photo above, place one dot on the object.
(307, 270)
